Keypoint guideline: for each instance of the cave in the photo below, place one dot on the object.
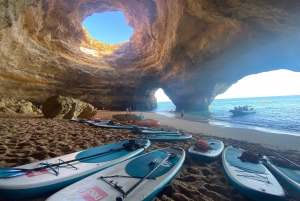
(193, 50)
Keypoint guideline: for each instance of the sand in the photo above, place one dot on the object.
(25, 139)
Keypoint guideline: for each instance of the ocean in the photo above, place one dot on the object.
(277, 114)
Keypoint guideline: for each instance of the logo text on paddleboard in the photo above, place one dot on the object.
(93, 194)
(36, 173)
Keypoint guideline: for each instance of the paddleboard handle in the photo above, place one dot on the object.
(144, 178)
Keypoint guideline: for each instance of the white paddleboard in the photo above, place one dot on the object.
(215, 150)
(43, 181)
(290, 177)
(252, 179)
(105, 185)
(167, 137)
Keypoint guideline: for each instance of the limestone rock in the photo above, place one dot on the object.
(12, 105)
(60, 107)
(192, 49)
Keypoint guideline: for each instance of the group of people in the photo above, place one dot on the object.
(245, 108)
(181, 114)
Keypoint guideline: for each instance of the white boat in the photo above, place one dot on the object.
(242, 110)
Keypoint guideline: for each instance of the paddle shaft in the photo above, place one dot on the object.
(287, 159)
(143, 179)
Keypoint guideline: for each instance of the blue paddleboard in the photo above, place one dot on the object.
(290, 177)
(253, 180)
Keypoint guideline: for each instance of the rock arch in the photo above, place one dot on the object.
(194, 50)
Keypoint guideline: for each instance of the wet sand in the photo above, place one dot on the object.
(25, 139)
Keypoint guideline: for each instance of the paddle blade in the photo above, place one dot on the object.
(12, 172)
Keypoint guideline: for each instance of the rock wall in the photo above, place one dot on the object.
(193, 49)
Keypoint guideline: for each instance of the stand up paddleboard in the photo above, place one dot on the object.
(141, 123)
(289, 175)
(140, 178)
(167, 137)
(146, 132)
(209, 153)
(102, 122)
(119, 126)
(253, 180)
(51, 175)
(90, 120)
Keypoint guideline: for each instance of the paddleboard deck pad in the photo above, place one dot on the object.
(253, 180)
(52, 178)
(215, 150)
(139, 178)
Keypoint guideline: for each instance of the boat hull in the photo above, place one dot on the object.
(242, 112)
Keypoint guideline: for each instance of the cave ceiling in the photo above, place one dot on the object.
(192, 49)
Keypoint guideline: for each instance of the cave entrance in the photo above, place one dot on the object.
(273, 83)
(108, 27)
(164, 105)
(161, 96)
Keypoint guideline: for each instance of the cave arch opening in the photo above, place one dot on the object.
(161, 96)
(108, 27)
(272, 83)
(164, 104)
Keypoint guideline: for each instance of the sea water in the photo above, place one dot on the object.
(278, 114)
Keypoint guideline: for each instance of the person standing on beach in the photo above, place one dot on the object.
(182, 114)
(127, 112)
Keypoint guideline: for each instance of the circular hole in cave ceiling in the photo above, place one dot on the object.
(106, 32)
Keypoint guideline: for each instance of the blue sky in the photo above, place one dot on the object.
(108, 27)
(111, 27)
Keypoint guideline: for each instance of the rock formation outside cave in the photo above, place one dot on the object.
(192, 49)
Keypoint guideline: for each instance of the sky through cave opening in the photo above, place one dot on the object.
(108, 27)
(161, 96)
(273, 83)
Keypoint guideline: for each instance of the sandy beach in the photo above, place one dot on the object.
(25, 139)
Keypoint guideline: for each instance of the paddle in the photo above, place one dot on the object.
(14, 172)
(287, 160)
(143, 179)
